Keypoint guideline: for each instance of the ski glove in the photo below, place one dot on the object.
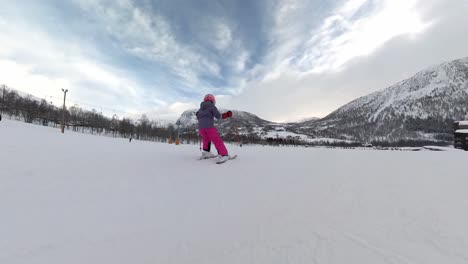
(227, 114)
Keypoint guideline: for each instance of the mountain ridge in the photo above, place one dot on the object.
(421, 107)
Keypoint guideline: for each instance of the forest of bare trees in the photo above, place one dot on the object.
(33, 110)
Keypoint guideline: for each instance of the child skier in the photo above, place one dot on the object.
(208, 132)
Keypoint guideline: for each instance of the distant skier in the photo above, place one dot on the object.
(208, 132)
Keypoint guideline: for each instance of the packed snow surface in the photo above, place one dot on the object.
(76, 198)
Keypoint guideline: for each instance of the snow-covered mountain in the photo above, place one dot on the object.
(239, 118)
(421, 107)
(308, 119)
(251, 126)
(245, 122)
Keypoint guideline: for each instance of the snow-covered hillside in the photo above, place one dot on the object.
(421, 107)
(435, 91)
(246, 124)
(250, 125)
(76, 198)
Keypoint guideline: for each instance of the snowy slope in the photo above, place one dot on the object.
(442, 86)
(427, 103)
(75, 198)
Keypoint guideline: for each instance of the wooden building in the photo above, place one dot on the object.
(460, 135)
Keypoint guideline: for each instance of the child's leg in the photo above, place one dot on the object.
(206, 139)
(217, 141)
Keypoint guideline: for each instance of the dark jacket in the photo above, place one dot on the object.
(206, 114)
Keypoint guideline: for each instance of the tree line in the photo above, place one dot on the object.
(39, 111)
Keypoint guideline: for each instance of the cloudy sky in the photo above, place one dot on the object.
(283, 60)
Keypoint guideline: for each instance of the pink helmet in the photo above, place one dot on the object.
(209, 97)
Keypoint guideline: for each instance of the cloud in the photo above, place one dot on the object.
(223, 36)
(299, 90)
(21, 76)
(34, 61)
(96, 53)
(357, 28)
(309, 57)
(168, 113)
(341, 38)
(149, 36)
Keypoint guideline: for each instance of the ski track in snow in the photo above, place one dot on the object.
(76, 198)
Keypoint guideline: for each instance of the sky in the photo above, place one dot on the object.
(283, 60)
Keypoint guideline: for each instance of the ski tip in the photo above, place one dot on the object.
(230, 158)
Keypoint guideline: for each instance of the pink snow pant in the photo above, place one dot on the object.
(211, 135)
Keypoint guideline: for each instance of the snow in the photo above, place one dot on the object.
(328, 140)
(284, 134)
(188, 118)
(302, 137)
(77, 198)
(429, 83)
(463, 123)
(461, 131)
(438, 148)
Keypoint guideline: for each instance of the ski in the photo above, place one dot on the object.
(204, 158)
(230, 158)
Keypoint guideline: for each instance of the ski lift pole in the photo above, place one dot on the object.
(178, 134)
(200, 142)
(238, 137)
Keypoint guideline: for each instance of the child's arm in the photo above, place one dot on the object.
(216, 113)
